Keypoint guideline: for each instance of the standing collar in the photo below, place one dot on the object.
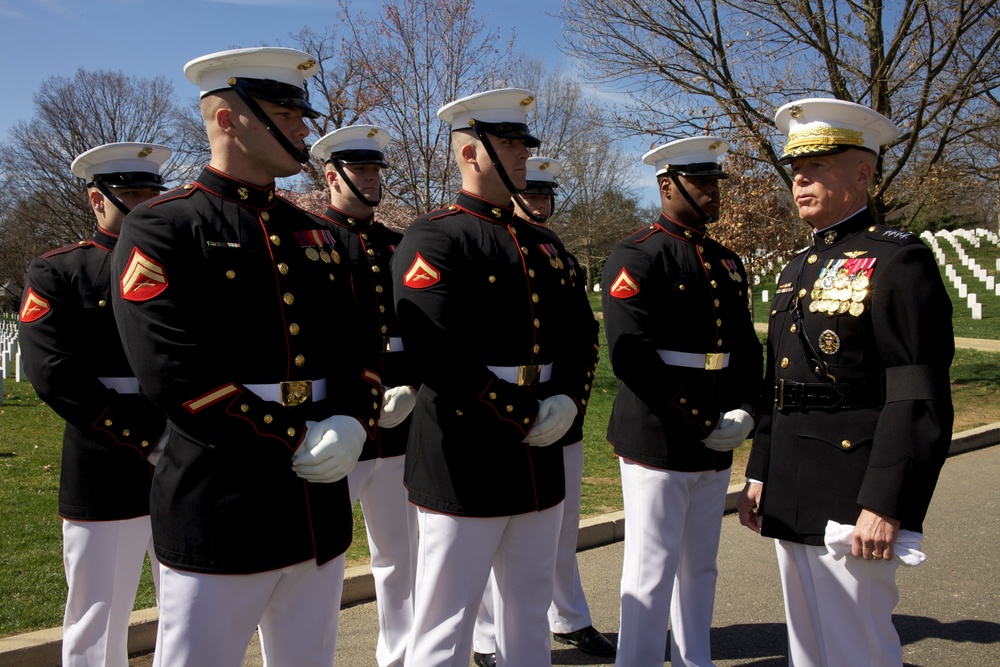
(105, 239)
(853, 223)
(353, 223)
(227, 187)
(498, 213)
(683, 231)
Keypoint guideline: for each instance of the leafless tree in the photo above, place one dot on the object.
(726, 65)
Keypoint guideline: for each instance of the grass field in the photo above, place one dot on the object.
(32, 587)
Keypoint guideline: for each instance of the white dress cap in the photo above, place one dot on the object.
(692, 156)
(823, 126)
(543, 169)
(504, 105)
(125, 157)
(368, 138)
(214, 71)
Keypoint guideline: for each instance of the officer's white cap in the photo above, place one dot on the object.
(822, 126)
(692, 156)
(125, 157)
(543, 169)
(506, 109)
(369, 139)
(284, 65)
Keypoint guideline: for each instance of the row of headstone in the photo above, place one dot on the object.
(10, 353)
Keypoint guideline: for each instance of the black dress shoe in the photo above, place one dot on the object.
(587, 640)
(484, 659)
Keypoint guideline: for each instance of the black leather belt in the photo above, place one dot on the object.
(790, 395)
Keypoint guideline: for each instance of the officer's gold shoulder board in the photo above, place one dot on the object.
(624, 286)
(34, 308)
(421, 274)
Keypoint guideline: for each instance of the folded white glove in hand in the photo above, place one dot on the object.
(396, 405)
(731, 431)
(555, 416)
(839, 539)
(330, 449)
(154, 456)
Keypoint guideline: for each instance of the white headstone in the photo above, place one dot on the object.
(763, 296)
(963, 290)
(971, 299)
(990, 282)
(977, 311)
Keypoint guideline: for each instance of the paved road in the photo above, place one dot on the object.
(949, 612)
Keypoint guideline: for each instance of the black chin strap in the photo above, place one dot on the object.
(481, 134)
(705, 217)
(300, 155)
(106, 191)
(524, 207)
(353, 188)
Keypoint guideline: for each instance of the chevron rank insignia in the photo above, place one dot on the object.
(143, 279)
(624, 286)
(34, 308)
(421, 274)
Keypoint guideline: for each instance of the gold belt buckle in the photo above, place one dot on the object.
(386, 344)
(295, 393)
(779, 394)
(713, 361)
(527, 375)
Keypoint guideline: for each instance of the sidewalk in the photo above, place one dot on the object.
(41, 648)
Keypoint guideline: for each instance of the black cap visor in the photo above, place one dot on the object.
(359, 156)
(540, 188)
(277, 92)
(698, 169)
(509, 131)
(130, 179)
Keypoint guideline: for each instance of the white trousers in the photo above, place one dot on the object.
(672, 526)
(568, 611)
(103, 564)
(207, 620)
(391, 524)
(838, 612)
(454, 558)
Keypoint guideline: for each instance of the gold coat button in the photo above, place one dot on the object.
(718, 322)
(687, 234)
(583, 401)
(586, 387)
(300, 360)
(244, 408)
(379, 289)
(374, 391)
(784, 362)
(384, 328)
(371, 422)
(534, 298)
(492, 279)
(526, 421)
(371, 252)
(283, 269)
(510, 408)
(694, 411)
(872, 228)
(376, 269)
(275, 239)
(268, 419)
(773, 313)
(716, 302)
(562, 281)
(364, 236)
(537, 348)
(531, 273)
(537, 323)
(812, 259)
(107, 422)
(802, 292)
(145, 443)
(708, 423)
(708, 265)
(846, 444)
(524, 251)
(293, 329)
(289, 298)
(681, 287)
(291, 432)
(713, 283)
(793, 328)
(230, 274)
(375, 406)
(459, 413)
(683, 401)
(381, 309)
(701, 248)
(264, 216)
(126, 433)
(493, 396)
(719, 342)
(102, 303)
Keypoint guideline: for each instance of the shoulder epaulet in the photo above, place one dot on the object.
(443, 213)
(182, 192)
(890, 234)
(69, 247)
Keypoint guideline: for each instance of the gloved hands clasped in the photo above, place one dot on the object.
(555, 416)
(397, 405)
(733, 428)
(329, 450)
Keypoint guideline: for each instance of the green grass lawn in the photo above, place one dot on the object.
(32, 586)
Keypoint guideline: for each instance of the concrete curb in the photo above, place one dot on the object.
(42, 648)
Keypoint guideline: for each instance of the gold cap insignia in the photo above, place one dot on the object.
(232, 81)
(715, 144)
(543, 166)
(527, 100)
(145, 151)
(795, 111)
(496, 212)
(307, 64)
(243, 193)
(373, 132)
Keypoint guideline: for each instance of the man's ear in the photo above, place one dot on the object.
(469, 153)
(96, 201)
(332, 177)
(224, 120)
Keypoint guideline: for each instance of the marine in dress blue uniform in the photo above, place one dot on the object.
(74, 359)
(859, 345)
(486, 302)
(569, 614)
(682, 342)
(236, 312)
(354, 162)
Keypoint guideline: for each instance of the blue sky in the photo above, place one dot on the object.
(43, 38)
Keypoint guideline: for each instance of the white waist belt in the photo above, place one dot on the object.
(392, 344)
(712, 361)
(121, 385)
(523, 375)
(278, 391)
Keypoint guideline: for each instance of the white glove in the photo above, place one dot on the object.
(154, 456)
(733, 428)
(555, 416)
(330, 449)
(397, 405)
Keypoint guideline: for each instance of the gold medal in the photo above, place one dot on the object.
(831, 307)
(554, 262)
(857, 309)
(843, 307)
(813, 306)
(335, 256)
(312, 254)
(860, 281)
(859, 295)
(325, 256)
(840, 282)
